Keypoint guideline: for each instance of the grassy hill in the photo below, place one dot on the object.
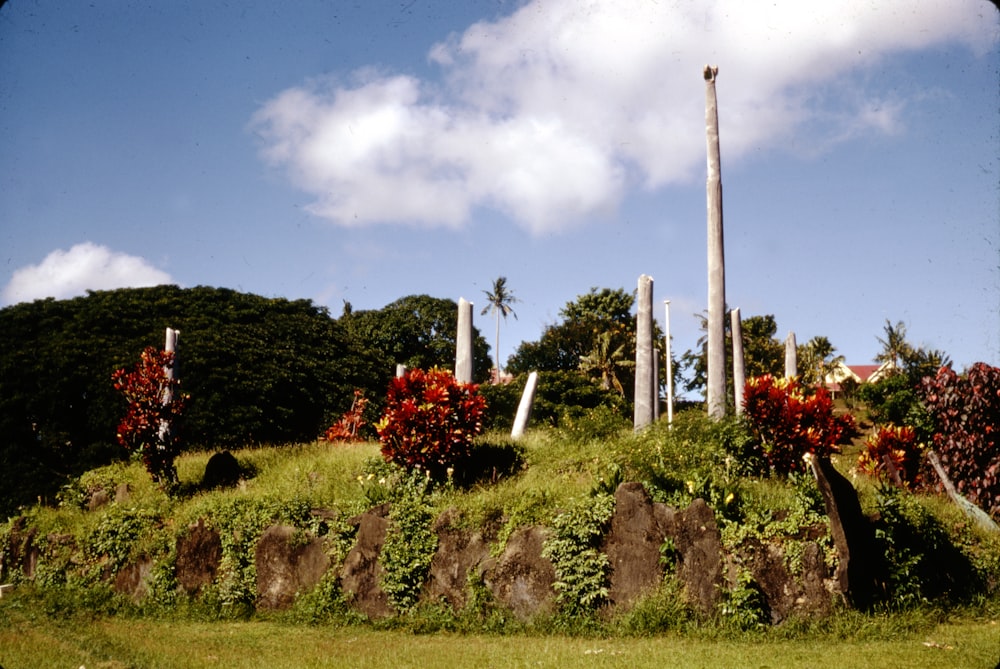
(88, 536)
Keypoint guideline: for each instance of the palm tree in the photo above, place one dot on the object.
(820, 361)
(605, 360)
(895, 349)
(499, 301)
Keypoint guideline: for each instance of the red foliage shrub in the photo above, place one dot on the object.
(966, 413)
(346, 429)
(430, 421)
(893, 454)
(787, 423)
(149, 425)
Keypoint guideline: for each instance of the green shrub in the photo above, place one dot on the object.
(923, 561)
(582, 570)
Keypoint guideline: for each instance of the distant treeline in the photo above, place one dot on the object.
(258, 370)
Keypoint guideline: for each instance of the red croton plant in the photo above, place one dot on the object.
(787, 422)
(430, 421)
(346, 429)
(893, 453)
(149, 425)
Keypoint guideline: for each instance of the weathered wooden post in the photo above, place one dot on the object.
(739, 364)
(524, 407)
(716, 392)
(170, 346)
(791, 357)
(644, 382)
(463, 342)
(656, 384)
(670, 367)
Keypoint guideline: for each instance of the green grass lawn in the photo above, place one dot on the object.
(39, 642)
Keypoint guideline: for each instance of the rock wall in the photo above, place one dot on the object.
(290, 561)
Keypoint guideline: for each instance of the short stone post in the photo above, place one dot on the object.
(643, 413)
(524, 407)
(463, 342)
(739, 363)
(791, 357)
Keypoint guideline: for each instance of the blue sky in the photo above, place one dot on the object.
(367, 151)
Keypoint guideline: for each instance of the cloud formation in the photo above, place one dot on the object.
(552, 113)
(85, 266)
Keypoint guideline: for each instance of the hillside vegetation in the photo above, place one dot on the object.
(938, 559)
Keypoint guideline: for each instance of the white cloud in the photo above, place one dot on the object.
(552, 113)
(85, 266)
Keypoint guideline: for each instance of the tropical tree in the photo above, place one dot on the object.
(895, 348)
(605, 360)
(417, 331)
(818, 360)
(499, 300)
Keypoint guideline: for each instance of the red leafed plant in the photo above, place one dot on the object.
(149, 425)
(787, 422)
(430, 421)
(966, 414)
(893, 454)
(346, 429)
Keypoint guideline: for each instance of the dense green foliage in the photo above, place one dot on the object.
(596, 338)
(418, 331)
(763, 353)
(258, 370)
(559, 396)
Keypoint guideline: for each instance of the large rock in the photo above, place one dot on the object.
(521, 578)
(860, 567)
(289, 561)
(133, 578)
(632, 544)
(699, 553)
(361, 574)
(21, 552)
(803, 594)
(459, 553)
(221, 471)
(199, 553)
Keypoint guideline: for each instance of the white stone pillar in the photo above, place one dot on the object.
(739, 363)
(463, 342)
(524, 407)
(791, 357)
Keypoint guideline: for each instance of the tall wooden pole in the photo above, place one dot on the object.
(716, 257)
(644, 381)
(670, 366)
